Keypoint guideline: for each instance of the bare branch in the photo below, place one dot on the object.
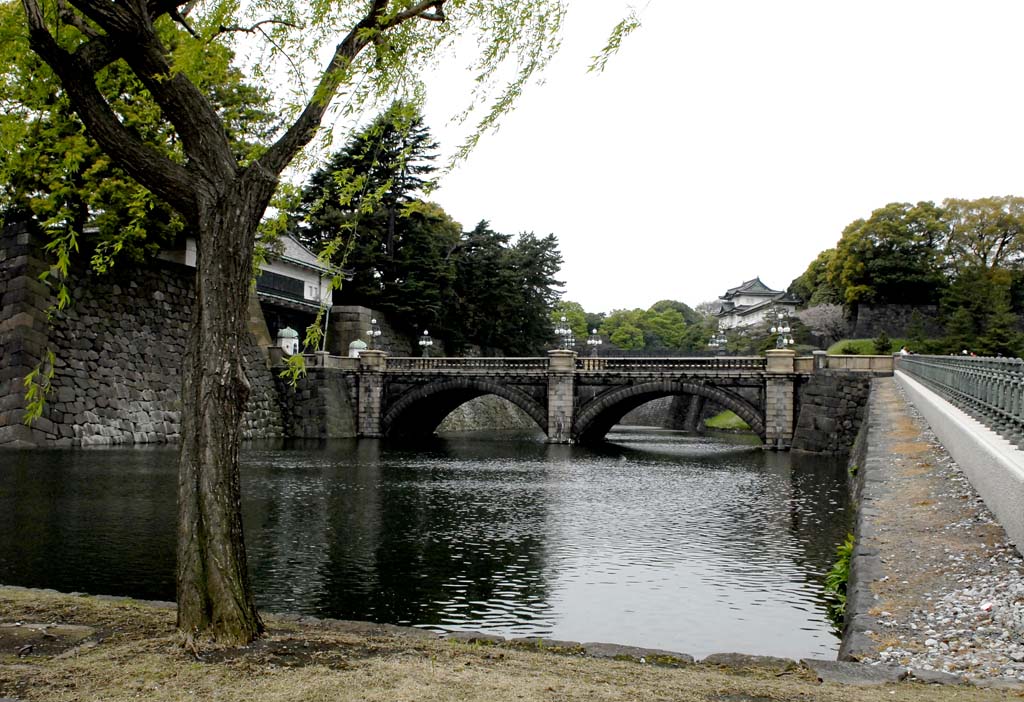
(420, 10)
(180, 19)
(252, 29)
(70, 18)
(376, 20)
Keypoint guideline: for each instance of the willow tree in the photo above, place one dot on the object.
(370, 51)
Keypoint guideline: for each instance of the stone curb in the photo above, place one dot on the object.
(865, 564)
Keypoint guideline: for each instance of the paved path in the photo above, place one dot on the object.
(939, 587)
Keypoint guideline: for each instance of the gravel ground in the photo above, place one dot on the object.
(951, 597)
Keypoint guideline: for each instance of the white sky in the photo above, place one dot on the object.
(737, 138)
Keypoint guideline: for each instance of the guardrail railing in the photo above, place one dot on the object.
(458, 363)
(989, 389)
(745, 363)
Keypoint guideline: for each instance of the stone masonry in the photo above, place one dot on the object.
(832, 407)
(561, 397)
(23, 331)
(118, 356)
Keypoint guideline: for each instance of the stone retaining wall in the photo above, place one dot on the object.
(894, 320)
(23, 331)
(118, 353)
(831, 409)
(319, 406)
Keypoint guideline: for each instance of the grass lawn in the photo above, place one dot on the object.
(63, 647)
(727, 420)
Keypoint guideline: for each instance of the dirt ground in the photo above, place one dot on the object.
(64, 647)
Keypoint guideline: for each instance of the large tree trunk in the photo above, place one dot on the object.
(213, 591)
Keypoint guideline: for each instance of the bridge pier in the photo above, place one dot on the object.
(780, 399)
(561, 395)
(371, 392)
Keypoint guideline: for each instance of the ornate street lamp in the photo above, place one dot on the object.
(564, 333)
(372, 333)
(425, 343)
(718, 341)
(782, 328)
(594, 341)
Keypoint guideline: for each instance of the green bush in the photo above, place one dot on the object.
(836, 581)
(883, 344)
(864, 346)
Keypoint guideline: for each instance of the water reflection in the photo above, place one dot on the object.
(654, 539)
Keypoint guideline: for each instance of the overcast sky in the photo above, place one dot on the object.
(736, 139)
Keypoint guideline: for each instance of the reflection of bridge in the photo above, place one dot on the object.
(571, 399)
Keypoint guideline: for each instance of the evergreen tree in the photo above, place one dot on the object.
(364, 192)
(1002, 335)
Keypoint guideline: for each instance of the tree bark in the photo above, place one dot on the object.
(213, 590)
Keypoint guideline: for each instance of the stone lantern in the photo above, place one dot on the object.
(288, 341)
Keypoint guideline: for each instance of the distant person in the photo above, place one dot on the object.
(904, 351)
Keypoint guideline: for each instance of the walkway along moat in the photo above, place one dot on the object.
(937, 585)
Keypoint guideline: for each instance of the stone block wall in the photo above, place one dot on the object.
(895, 320)
(832, 405)
(119, 352)
(351, 322)
(681, 412)
(319, 406)
(489, 412)
(23, 331)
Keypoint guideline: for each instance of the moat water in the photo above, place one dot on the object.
(656, 539)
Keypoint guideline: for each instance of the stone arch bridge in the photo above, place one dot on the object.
(572, 399)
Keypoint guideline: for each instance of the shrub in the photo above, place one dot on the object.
(883, 344)
(836, 581)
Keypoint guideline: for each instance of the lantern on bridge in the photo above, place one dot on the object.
(288, 341)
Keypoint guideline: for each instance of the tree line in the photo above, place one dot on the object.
(407, 258)
(963, 258)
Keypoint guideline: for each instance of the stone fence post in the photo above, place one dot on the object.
(561, 395)
(780, 398)
(820, 360)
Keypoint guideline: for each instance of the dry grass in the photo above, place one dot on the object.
(135, 654)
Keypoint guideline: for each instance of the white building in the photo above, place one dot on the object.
(748, 305)
(291, 287)
(294, 278)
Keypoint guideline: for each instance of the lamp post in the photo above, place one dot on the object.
(718, 341)
(425, 343)
(594, 342)
(372, 333)
(564, 333)
(782, 328)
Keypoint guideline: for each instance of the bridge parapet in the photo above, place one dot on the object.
(474, 365)
(743, 363)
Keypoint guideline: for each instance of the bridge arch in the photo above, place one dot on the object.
(419, 411)
(595, 418)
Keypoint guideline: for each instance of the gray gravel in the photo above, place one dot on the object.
(968, 618)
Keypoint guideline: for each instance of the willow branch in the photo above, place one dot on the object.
(280, 154)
